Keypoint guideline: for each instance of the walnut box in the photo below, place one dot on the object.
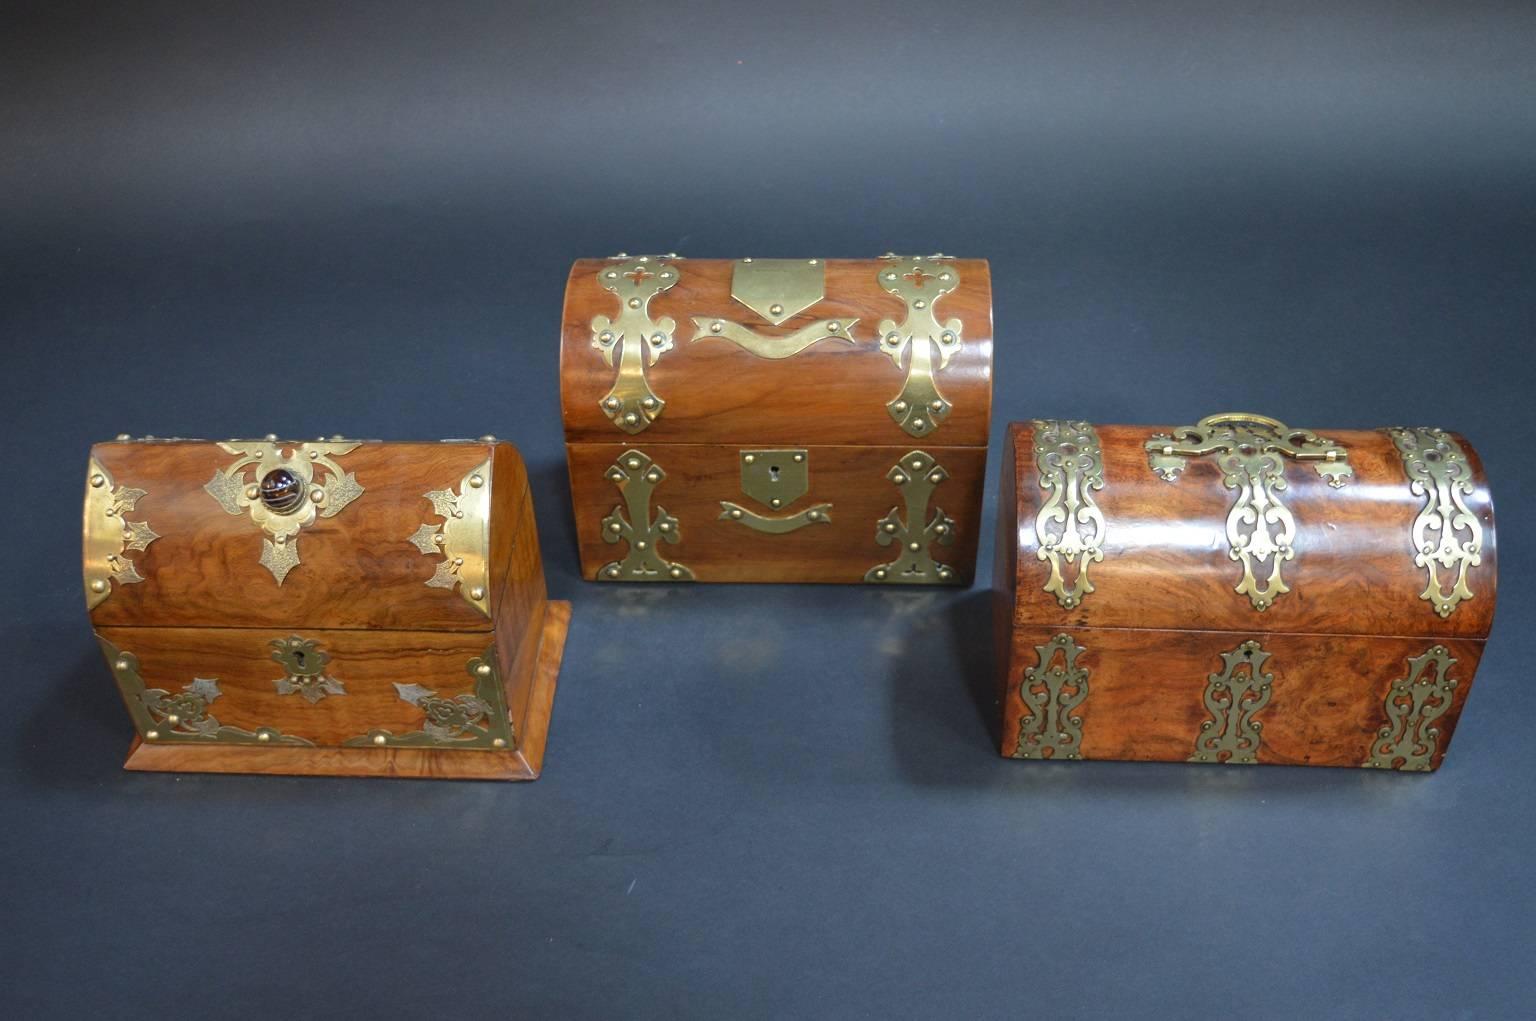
(330, 607)
(1240, 591)
(790, 420)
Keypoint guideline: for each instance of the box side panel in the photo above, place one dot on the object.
(213, 561)
(1005, 571)
(689, 504)
(715, 370)
(198, 687)
(1354, 563)
(1170, 696)
(520, 610)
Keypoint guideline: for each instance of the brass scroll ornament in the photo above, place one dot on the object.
(305, 662)
(1251, 452)
(477, 721)
(1051, 691)
(637, 339)
(917, 476)
(1409, 740)
(182, 717)
(109, 535)
(1446, 534)
(463, 539)
(1234, 697)
(637, 476)
(920, 282)
(776, 289)
(775, 478)
(286, 493)
(1069, 528)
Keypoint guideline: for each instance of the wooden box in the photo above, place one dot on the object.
(331, 607)
(1240, 591)
(791, 420)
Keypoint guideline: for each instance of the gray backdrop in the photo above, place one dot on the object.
(222, 219)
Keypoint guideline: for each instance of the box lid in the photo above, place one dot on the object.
(323, 534)
(888, 352)
(1241, 523)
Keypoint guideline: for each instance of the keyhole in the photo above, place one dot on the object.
(298, 657)
(773, 473)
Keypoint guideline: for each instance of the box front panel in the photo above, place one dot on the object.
(755, 513)
(1204, 696)
(255, 687)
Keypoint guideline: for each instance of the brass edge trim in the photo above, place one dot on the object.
(1070, 527)
(1250, 451)
(636, 477)
(303, 502)
(635, 338)
(1408, 742)
(1234, 696)
(478, 721)
(463, 538)
(1051, 693)
(920, 407)
(917, 476)
(182, 717)
(1445, 533)
(108, 535)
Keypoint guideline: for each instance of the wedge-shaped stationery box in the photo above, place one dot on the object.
(792, 420)
(330, 607)
(1240, 591)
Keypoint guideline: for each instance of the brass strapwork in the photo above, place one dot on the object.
(1070, 526)
(636, 477)
(1233, 697)
(1251, 451)
(920, 281)
(1410, 739)
(635, 339)
(1052, 690)
(917, 475)
(1447, 537)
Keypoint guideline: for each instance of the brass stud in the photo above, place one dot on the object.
(642, 544)
(97, 481)
(458, 561)
(716, 327)
(775, 309)
(124, 437)
(919, 424)
(122, 663)
(749, 458)
(919, 303)
(634, 302)
(172, 718)
(633, 464)
(649, 404)
(477, 593)
(665, 526)
(834, 326)
(631, 418)
(264, 736)
(498, 742)
(153, 735)
(736, 513)
(890, 526)
(676, 572)
(936, 406)
(880, 573)
(914, 546)
(613, 572)
(271, 437)
(251, 492)
(775, 502)
(615, 527)
(900, 405)
(380, 739)
(799, 458)
(487, 438)
(483, 670)
(98, 585)
(317, 496)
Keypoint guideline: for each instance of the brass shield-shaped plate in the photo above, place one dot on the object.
(775, 478)
(778, 288)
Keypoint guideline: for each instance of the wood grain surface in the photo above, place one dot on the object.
(358, 569)
(851, 478)
(829, 393)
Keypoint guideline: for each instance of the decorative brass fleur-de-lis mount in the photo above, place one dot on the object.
(1069, 527)
(1410, 739)
(920, 281)
(1251, 451)
(634, 338)
(109, 535)
(292, 485)
(1051, 691)
(1446, 534)
(305, 662)
(636, 477)
(477, 720)
(1234, 697)
(463, 539)
(916, 476)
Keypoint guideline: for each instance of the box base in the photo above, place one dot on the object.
(524, 763)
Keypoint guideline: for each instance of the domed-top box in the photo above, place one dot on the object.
(1240, 591)
(330, 607)
(791, 420)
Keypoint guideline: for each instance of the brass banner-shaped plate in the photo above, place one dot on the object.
(776, 478)
(1409, 740)
(1251, 452)
(478, 721)
(305, 662)
(463, 539)
(920, 281)
(1446, 534)
(109, 535)
(634, 337)
(284, 495)
(778, 289)
(1234, 697)
(1069, 528)
(181, 717)
(637, 476)
(1051, 690)
(775, 347)
(917, 476)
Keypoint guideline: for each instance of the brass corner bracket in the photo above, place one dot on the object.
(109, 535)
(463, 539)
